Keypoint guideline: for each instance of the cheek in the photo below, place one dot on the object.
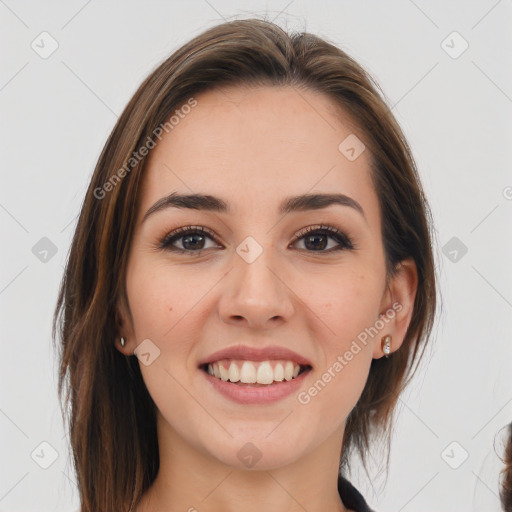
(347, 305)
(150, 306)
(347, 309)
(159, 297)
(346, 312)
(335, 393)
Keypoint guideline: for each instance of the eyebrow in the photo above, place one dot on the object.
(210, 203)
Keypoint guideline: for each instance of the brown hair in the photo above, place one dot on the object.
(506, 473)
(112, 416)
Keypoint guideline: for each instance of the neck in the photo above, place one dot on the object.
(192, 481)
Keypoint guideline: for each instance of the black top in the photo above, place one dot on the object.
(351, 497)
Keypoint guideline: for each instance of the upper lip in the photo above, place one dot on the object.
(248, 353)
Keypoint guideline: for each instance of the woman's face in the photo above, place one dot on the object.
(249, 281)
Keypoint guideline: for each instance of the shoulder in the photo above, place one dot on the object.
(351, 497)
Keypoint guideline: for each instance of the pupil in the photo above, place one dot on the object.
(188, 238)
(315, 238)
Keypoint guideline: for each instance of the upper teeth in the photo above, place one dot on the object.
(250, 372)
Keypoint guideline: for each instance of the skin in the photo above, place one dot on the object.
(253, 147)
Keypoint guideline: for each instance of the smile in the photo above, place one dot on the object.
(264, 373)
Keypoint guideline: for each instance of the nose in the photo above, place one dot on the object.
(256, 295)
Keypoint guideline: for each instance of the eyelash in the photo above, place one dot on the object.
(345, 243)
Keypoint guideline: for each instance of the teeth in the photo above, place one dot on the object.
(249, 372)
(279, 372)
(288, 370)
(224, 375)
(265, 373)
(234, 373)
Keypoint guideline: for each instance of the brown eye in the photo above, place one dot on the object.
(191, 238)
(316, 239)
(194, 240)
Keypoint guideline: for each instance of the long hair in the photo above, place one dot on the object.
(506, 473)
(111, 414)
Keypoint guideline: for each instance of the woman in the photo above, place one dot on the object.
(250, 285)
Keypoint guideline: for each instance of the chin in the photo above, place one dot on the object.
(257, 450)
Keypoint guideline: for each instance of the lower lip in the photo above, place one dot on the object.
(247, 394)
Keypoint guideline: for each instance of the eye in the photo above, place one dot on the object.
(316, 239)
(191, 238)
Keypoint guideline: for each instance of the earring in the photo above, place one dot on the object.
(122, 342)
(386, 345)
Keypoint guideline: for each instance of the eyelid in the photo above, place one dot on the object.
(318, 227)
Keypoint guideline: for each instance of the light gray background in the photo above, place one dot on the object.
(56, 114)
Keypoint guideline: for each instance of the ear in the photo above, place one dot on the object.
(397, 306)
(124, 328)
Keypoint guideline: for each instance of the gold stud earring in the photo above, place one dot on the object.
(386, 345)
(122, 342)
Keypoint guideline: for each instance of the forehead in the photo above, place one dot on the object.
(256, 145)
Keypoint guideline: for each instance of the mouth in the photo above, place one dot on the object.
(255, 373)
